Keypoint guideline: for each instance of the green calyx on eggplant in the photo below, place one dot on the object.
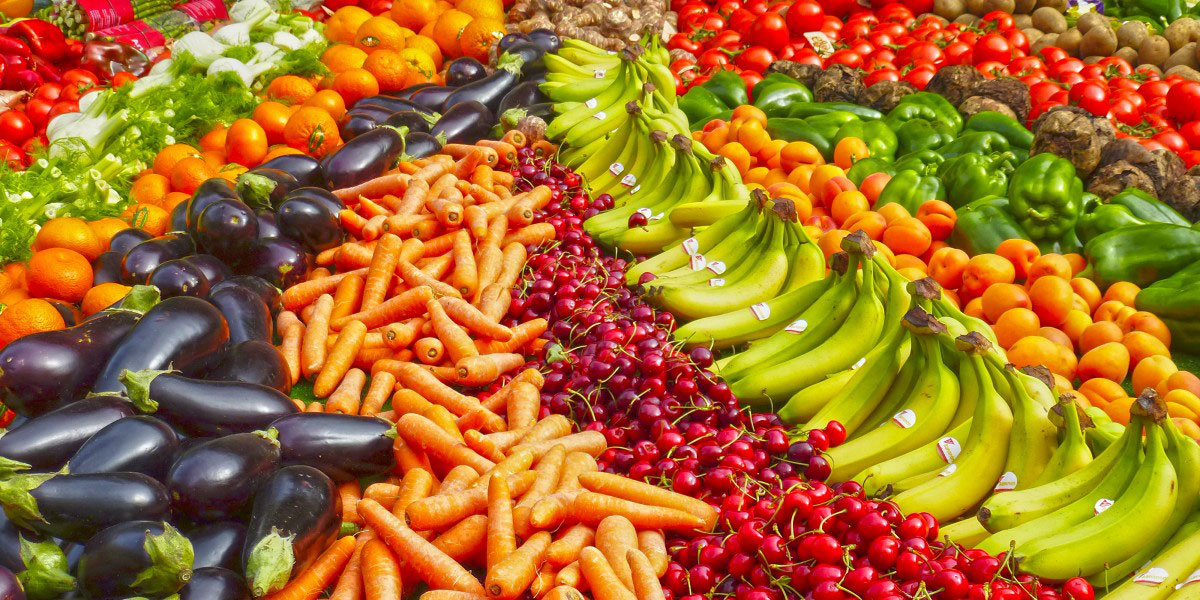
(533, 56)
(200, 407)
(490, 90)
(227, 229)
(46, 573)
(416, 122)
(263, 187)
(76, 507)
(420, 145)
(245, 313)
(136, 558)
(511, 118)
(217, 478)
(48, 441)
(137, 444)
(142, 259)
(296, 515)
(344, 447)
(254, 362)
(365, 157)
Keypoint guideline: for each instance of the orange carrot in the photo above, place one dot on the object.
(513, 263)
(590, 508)
(458, 343)
(404, 224)
(427, 230)
(522, 334)
(379, 274)
(502, 180)
(374, 228)
(644, 493)
(325, 257)
(499, 400)
(458, 479)
(442, 418)
(548, 470)
(438, 266)
(415, 277)
(345, 298)
(369, 208)
(354, 255)
(380, 571)
(418, 379)
(517, 462)
(413, 199)
(367, 357)
(399, 336)
(350, 493)
(319, 273)
(466, 275)
(565, 550)
(512, 576)
(543, 582)
(465, 540)
(349, 341)
(350, 584)
(645, 580)
(450, 595)
(429, 350)
(550, 428)
(523, 405)
(542, 148)
(482, 176)
(345, 399)
(442, 510)
(404, 306)
(407, 457)
(561, 591)
(291, 330)
(312, 348)
(652, 543)
(405, 355)
(506, 152)
(377, 394)
(570, 576)
(407, 401)
(494, 301)
(514, 137)
(476, 220)
(479, 443)
(600, 576)
(315, 407)
(461, 312)
(531, 235)
(439, 166)
(552, 510)
(375, 188)
(300, 405)
(615, 537)
(520, 213)
(502, 441)
(309, 584)
(591, 442)
(501, 538)
(306, 292)
(417, 485)
(383, 493)
(352, 221)
(425, 435)
(575, 464)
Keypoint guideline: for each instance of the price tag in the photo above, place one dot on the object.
(797, 326)
(717, 267)
(761, 311)
(690, 246)
(716, 282)
(616, 168)
(1102, 505)
(1007, 483)
(905, 419)
(657, 217)
(635, 190)
(948, 471)
(599, 73)
(591, 103)
(862, 361)
(697, 262)
(1193, 578)
(820, 42)
(1152, 576)
(629, 180)
(948, 448)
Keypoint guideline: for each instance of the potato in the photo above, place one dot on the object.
(1089, 21)
(1098, 41)
(1131, 33)
(1091, 60)
(1023, 21)
(1154, 50)
(1002, 5)
(1024, 7)
(1069, 41)
(1185, 72)
(1181, 32)
(1049, 20)
(1059, 5)
(967, 18)
(1129, 54)
(949, 9)
(1048, 39)
(1033, 35)
(1185, 56)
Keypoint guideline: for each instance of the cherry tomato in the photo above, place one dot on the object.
(755, 58)
(691, 15)
(1091, 96)
(15, 127)
(807, 56)
(1018, 40)
(729, 40)
(1070, 78)
(1154, 89)
(770, 31)
(80, 76)
(38, 111)
(1173, 141)
(1120, 64)
(991, 69)
(1043, 91)
(49, 91)
(726, 7)
(751, 78)
(993, 47)
(1124, 112)
(958, 53)
(848, 58)
(926, 51)
(1053, 54)
(1094, 72)
(713, 60)
(920, 76)
(1191, 132)
(711, 22)
(885, 55)
(61, 108)
(881, 74)
(839, 8)
(1183, 101)
(1066, 65)
(998, 20)
(741, 20)
(683, 41)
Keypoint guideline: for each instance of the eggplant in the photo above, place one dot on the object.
(363, 158)
(464, 123)
(433, 98)
(389, 103)
(179, 278)
(462, 71)
(43, 371)
(420, 145)
(217, 478)
(138, 444)
(69, 313)
(142, 259)
(245, 313)
(215, 270)
(510, 40)
(107, 268)
(323, 196)
(76, 507)
(268, 225)
(511, 118)
(218, 544)
(254, 362)
(525, 94)
(354, 125)
(301, 166)
(215, 583)
(47, 442)
(415, 122)
(376, 113)
(227, 229)
(547, 39)
(297, 512)
(10, 544)
(116, 564)
(179, 217)
(125, 239)
(268, 293)
(281, 261)
(262, 187)
(344, 447)
(204, 408)
(532, 56)
(10, 588)
(534, 76)
(182, 333)
(488, 91)
(406, 93)
(208, 192)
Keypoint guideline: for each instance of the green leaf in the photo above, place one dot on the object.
(137, 387)
(18, 502)
(46, 573)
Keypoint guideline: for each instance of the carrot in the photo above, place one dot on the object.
(416, 485)
(550, 428)
(512, 576)
(503, 441)
(345, 399)
(450, 595)
(380, 571)
(543, 582)
(383, 493)
(375, 188)
(414, 197)
(415, 277)
(502, 180)
(291, 330)
(645, 580)
(458, 343)
(427, 230)
(523, 405)
(507, 153)
(438, 266)
(591, 442)
(479, 443)
(425, 435)
(405, 355)
(600, 576)
(652, 543)
(501, 538)
(458, 479)
(461, 312)
(644, 493)
(552, 510)
(374, 228)
(514, 137)
(513, 263)
(517, 462)
(458, 151)
(531, 235)
(521, 213)
(543, 148)
(590, 507)
(563, 592)
(442, 510)
(484, 369)
(315, 407)
(548, 470)
(304, 293)
(404, 306)
(407, 401)
(300, 405)
(499, 400)
(352, 221)
(350, 584)
(565, 550)
(319, 273)
(354, 255)
(442, 417)
(369, 208)
(616, 536)
(482, 176)
(407, 457)
(522, 334)
(372, 340)
(379, 274)
(377, 394)
(351, 493)
(349, 341)
(466, 276)
(439, 245)
(570, 576)
(418, 379)
(465, 540)
(309, 584)
(399, 336)
(345, 298)
(429, 350)
(495, 301)
(369, 356)
(436, 168)
(488, 261)
(312, 348)
(325, 257)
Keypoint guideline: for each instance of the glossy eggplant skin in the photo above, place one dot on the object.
(204, 408)
(547, 39)
(354, 125)
(390, 103)
(10, 588)
(407, 92)
(363, 158)
(113, 559)
(218, 544)
(76, 507)
(532, 55)
(48, 441)
(304, 168)
(254, 362)
(323, 197)
(137, 444)
(227, 229)
(214, 583)
(296, 501)
(208, 192)
(179, 217)
(344, 447)
(466, 122)
(179, 277)
(421, 145)
(183, 333)
(43, 371)
(284, 183)
(413, 120)
(216, 479)
(488, 91)
(10, 543)
(215, 270)
(543, 110)
(525, 94)
(142, 259)
(268, 293)
(281, 261)
(433, 98)
(107, 268)
(125, 239)
(464, 70)
(245, 313)
(267, 224)
(510, 40)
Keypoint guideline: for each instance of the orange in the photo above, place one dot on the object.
(32, 315)
(215, 159)
(272, 117)
(170, 202)
(354, 85)
(165, 161)
(389, 70)
(107, 227)
(290, 89)
(280, 150)
(329, 101)
(60, 273)
(430, 47)
(189, 173)
(379, 33)
(481, 9)
(313, 131)
(414, 14)
(420, 66)
(246, 143)
(340, 57)
(215, 138)
(341, 26)
(150, 188)
(229, 172)
(102, 297)
(15, 272)
(152, 219)
(70, 233)
(448, 29)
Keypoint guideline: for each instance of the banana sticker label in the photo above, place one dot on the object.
(691, 246)
(905, 419)
(629, 180)
(698, 262)
(591, 103)
(948, 471)
(600, 116)
(635, 190)
(716, 282)
(761, 311)
(717, 267)
(616, 168)
(1102, 505)
(948, 448)
(862, 361)
(1007, 483)
(797, 326)
(599, 73)
(650, 216)
(1193, 578)
(1152, 576)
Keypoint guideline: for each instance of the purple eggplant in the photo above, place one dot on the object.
(407, 92)
(371, 111)
(138, 444)
(525, 94)
(217, 478)
(142, 259)
(323, 196)
(547, 39)
(245, 313)
(415, 122)
(179, 217)
(344, 447)
(218, 544)
(76, 507)
(215, 583)
(532, 56)
(183, 333)
(268, 224)
(265, 188)
(208, 192)
(204, 408)
(433, 98)
(43, 371)
(389, 103)
(68, 312)
(47, 442)
(10, 544)
(281, 261)
(462, 71)
(254, 362)
(227, 229)
(363, 158)
(488, 91)
(215, 270)
(125, 239)
(510, 40)
(116, 562)
(179, 278)
(355, 125)
(268, 293)
(301, 166)
(420, 145)
(297, 514)
(10, 588)
(464, 123)
(107, 268)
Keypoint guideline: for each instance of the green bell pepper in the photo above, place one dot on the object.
(775, 100)
(1010, 128)
(929, 106)
(972, 176)
(918, 134)
(699, 103)
(1141, 254)
(866, 167)
(978, 142)
(729, 87)
(771, 80)
(983, 224)
(829, 124)
(798, 130)
(1067, 244)
(910, 189)
(880, 139)
(1148, 208)
(811, 109)
(1104, 218)
(925, 162)
(1176, 300)
(1045, 196)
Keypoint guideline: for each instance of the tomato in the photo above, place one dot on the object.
(38, 111)
(1154, 89)
(726, 7)
(34, 144)
(751, 78)
(755, 58)
(855, 30)
(1183, 101)
(1018, 40)
(993, 47)
(711, 22)
(80, 76)
(991, 69)
(1152, 145)
(838, 8)
(926, 51)
(1026, 64)
(1124, 112)
(862, 47)
(123, 78)
(1070, 78)
(1173, 141)
(770, 31)
(1120, 64)
(804, 16)
(918, 7)
(849, 58)
(713, 60)
(1066, 65)
(1038, 109)
(881, 74)
(12, 155)
(1091, 96)
(1191, 132)
(741, 20)
(920, 76)
(998, 20)
(691, 15)
(757, 7)
(806, 56)
(885, 55)
(682, 41)
(1094, 72)
(49, 91)
(1053, 54)
(897, 13)
(1190, 158)
(958, 53)
(729, 40)
(61, 108)
(15, 127)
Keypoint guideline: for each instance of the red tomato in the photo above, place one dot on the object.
(1191, 132)
(1066, 65)
(1152, 145)
(1026, 64)
(757, 7)
(755, 58)
(1070, 78)
(918, 7)
(920, 51)
(849, 58)
(1122, 66)
(958, 53)
(711, 22)
(38, 111)
(1091, 96)
(691, 15)
(881, 74)
(806, 56)
(61, 108)
(998, 20)
(741, 20)
(122, 78)
(991, 69)
(920, 76)
(804, 16)
(1053, 54)
(1183, 101)
(770, 31)
(1190, 158)
(49, 91)
(1124, 112)
(1043, 91)
(15, 127)
(713, 60)
(80, 76)
(884, 54)
(1173, 141)
(12, 155)
(751, 78)
(1154, 89)
(726, 7)
(993, 47)
(1094, 72)
(682, 41)
(729, 40)
(839, 8)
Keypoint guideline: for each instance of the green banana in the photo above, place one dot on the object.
(1166, 572)
(705, 240)
(966, 533)
(1073, 452)
(1032, 442)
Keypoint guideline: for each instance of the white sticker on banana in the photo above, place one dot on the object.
(905, 419)
(1007, 483)
(591, 103)
(761, 311)
(1102, 505)
(599, 73)
(616, 168)
(1193, 578)
(716, 282)
(600, 116)
(948, 448)
(691, 246)
(1152, 576)
(798, 326)
(697, 262)
(948, 471)
(717, 267)
(629, 180)
(862, 361)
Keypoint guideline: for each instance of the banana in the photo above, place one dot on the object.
(610, 224)
(651, 238)
(807, 261)
(969, 389)
(756, 322)
(932, 457)
(645, 181)
(704, 241)
(586, 58)
(733, 251)
(966, 533)
(699, 214)
(900, 389)
(1073, 453)
(600, 160)
(633, 148)
(1167, 571)
(625, 86)
(606, 119)
(1032, 442)
(945, 308)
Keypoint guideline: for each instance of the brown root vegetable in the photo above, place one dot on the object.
(1008, 91)
(1182, 31)
(974, 7)
(1098, 41)
(1024, 7)
(955, 83)
(838, 83)
(1185, 72)
(1183, 195)
(968, 19)
(804, 73)
(1049, 20)
(885, 95)
(1089, 21)
(1110, 180)
(1131, 33)
(1074, 134)
(533, 127)
(977, 104)
(1001, 5)
(1129, 54)
(1160, 166)
(1155, 50)
(1069, 41)
(948, 9)
(1059, 5)
(1033, 35)
(1185, 56)
(1049, 39)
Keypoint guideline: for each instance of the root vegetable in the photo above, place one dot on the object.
(1049, 20)
(1098, 41)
